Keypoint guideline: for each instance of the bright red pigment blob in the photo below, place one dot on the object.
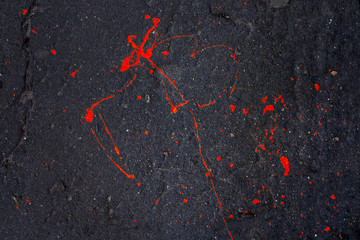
(327, 229)
(218, 158)
(165, 53)
(244, 111)
(232, 108)
(256, 201)
(333, 197)
(185, 200)
(53, 51)
(285, 163)
(317, 87)
(73, 73)
(268, 108)
(24, 12)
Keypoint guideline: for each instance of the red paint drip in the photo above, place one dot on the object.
(108, 132)
(285, 163)
(90, 115)
(73, 73)
(268, 108)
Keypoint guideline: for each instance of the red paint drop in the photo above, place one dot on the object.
(285, 163)
(232, 108)
(139, 97)
(53, 51)
(146, 133)
(268, 108)
(327, 229)
(244, 111)
(218, 158)
(231, 164)
(256, 201)
(333, 196)
(139, 184)
(185, 200)
(24, 12)
(317, 86)
(73, 73)
(231, 216)
(157, 201)
(147, 17)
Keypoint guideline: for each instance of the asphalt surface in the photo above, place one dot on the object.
(149, 119)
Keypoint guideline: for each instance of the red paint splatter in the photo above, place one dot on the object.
(231, 165)
(165, 53)
(185, 200)
(157, 201)
(205, 105)
(264, 99)
(256, 201)
(218, 158)
(268, 108)
(146, 133)
(147, 17)
(327, 229)
(24, 11)
(232, 108)
(244, 111)
(73, 73)
(53, 51)
(285, 163)
(317, 87)
(333, 196)
(139, 97)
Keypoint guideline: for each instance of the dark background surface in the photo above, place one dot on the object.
(57, 183)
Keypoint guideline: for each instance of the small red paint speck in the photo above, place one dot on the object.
(317, 86)
(64, 110)
(231, 164)
(165, 53)
(33, 31)
(333, 196)
(232, 108)
(147, 16)
(264, 99)
(256, 201)
(185, 200)
(283, 196)
(268, 108)
(17, 207)
(24, 12)
(146, 133)
(139, 184)
(53, 51)
(134, 220)
(151, 71)
(245, 3)
(139, 97)
(244, 111)
(231, 216)
(157, 201)
(327, 229)
(218, 158)
(73, 73)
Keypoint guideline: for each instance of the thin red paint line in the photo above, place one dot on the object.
(128, 84)
(90, 115)
(108, 132)
(97, 139)
(205, 105)
(233, 88)
(127, 175)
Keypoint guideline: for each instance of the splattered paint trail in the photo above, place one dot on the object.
(136, 59)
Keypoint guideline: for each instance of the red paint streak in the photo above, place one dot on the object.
(108, 132)
(264, 99)
(327, 229)
(90, 115)
(233, 88)
(317, 87)
(53, 51)
(128, 84)
(127, 175)
(98, 140)
(256, 201)
(285, 163)
(157, 201)
(33, 30)
(268, 108)
(244, 111)
(73, 73)
(231, 165)
(333, 197)
(25, 11)
(139, 184)
(205, 105)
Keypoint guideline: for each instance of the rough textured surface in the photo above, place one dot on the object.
(291, 95)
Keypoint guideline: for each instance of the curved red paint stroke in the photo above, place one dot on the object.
(285, 163)
(132, 60)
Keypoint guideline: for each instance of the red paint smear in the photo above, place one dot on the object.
(53, 51)
(244, 111)
(128, 84)
(73, 73)
(232, 108)
(33, 30)
(90, 115)
(165, 53)
(147, 17)
(25, 11)
(256, 201)
(264, 99)
(157, 201)
(327, 229)
(285, 163)
(268, 108)
(317, 86)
